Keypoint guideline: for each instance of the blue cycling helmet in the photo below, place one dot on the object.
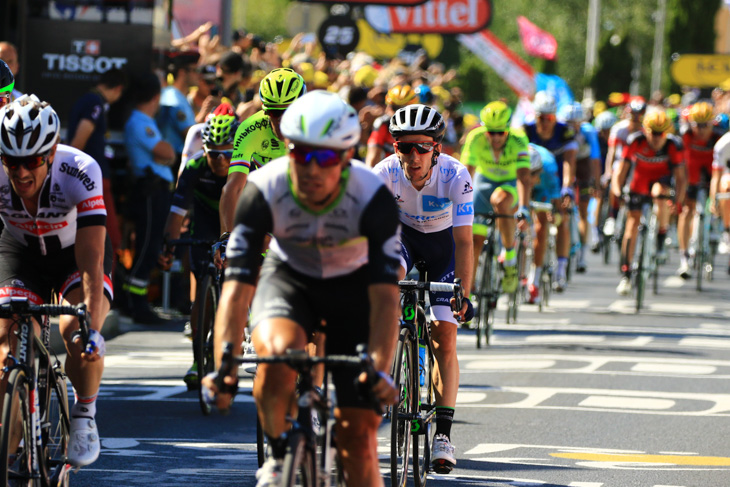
(425, 95)
(722, 122)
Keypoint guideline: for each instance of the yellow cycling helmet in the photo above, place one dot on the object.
(281, 87)
(496, 116)
(400, 96)
(657, 121)
(701, 112)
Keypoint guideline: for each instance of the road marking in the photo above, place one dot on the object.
(675, 369)
(626, 306)
(695, 342)
(509, 363)
(651, 459)
(564, 338)
(626, 403)
(673, 282)
(585, 484)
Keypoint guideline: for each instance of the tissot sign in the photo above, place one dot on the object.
(65, 59)
(433, 17)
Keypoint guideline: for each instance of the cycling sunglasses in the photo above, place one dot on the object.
(304, 154)
(4, 98)
(29, 162)
(657, 134)
(701, 125)
(497, 132)
(421, 147)
(215, 154)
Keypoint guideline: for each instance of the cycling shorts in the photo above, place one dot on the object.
(483, 189)
(437, 251)
(694, 184)
(26, 273)
(202, 227)
(695, 170)
(342, 302)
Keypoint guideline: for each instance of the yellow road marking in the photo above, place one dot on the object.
(666, 459)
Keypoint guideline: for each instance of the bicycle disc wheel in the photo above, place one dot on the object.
(300, 467)
(207, 305)
(422, 437)
(55, 430)
(17, 454)
(400, 424)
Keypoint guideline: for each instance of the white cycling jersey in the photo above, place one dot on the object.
(446, 200)
(193, 147)
(721, 154)
(618, 137)
(71, 198)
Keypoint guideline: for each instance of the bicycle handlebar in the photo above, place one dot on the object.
(438, 287)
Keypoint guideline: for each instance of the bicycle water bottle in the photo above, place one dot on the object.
(422, 361)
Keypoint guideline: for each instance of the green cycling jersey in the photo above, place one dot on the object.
(478, 152)
(255, 144)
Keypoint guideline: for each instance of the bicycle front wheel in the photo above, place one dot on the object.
(207, 299)
(487, 290)
(400, 421)
(300, 469)
(55, 430)
(17, 452)
(422, 437)
(641, 270)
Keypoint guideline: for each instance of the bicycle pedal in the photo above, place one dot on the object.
(442, 467)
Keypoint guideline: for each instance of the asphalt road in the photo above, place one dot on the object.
(584, 394)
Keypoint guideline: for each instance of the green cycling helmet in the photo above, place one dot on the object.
(281, 87)
(496, 116)
(220, 130)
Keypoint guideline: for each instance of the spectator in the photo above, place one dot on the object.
(235, 74)
(176, 115)
(87, 126)
(207, 95)
(9, 54)
(150, 158)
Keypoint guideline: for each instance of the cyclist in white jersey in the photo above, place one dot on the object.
(55, 242)
(434, 196)
(719, 184)
(334, 257)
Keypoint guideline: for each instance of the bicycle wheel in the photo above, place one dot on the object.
(640, 275)
(207, 299)
(422, 437)
(487, 300)
(17, 453)
(400, 424)
(514, 298)
(700, 256)
(260, 445)
(55, 430)
(300, 468)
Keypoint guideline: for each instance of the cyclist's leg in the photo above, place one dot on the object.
(504, 201)
(684, 229)
(357, 441)
(483, 189)
(664, 213)
(628, 243)
(724, 207)
(584, 183)
(542, 227)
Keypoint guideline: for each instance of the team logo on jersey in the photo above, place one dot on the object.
(398, 199)
(264, 145)
(467, 188)
(394, 173)
(447, 174)
(432, 203)
(78, 174)
(149, 131)
(465, 209)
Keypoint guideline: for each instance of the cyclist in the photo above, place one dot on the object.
(603, 123)
(333, 256)
(559, 139)
(617, 140)
(258, 139)
(55, 242)
(199, 189)
(380, 142)
(434, 196)
(699, 139)
(721, 184)
(587, 167)
(656, 157)
(497, 158)
(193, 147)
(545, 189)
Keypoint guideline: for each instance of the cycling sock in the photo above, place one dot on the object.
(444, 419)
(614, 212)
(562, 266)
(510, 257)
(684, 258)
(84, 407)
(626, 270)
(661, 237)
(278, 446)
(581, 254)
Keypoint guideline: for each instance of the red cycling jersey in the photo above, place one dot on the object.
(698, 154)
(651, 166)
(380, 136)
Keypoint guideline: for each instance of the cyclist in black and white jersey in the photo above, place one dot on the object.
(333, 257)
(55, 241)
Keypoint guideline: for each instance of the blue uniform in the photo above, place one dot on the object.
(549, 186)
(141, 135)
(92, 107)
(563, 140)
(175, 117)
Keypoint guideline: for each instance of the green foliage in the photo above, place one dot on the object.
(613, 72)
(266, 19)
(472, 76)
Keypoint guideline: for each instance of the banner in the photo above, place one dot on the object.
(536, 41)
(700, 70)
(555, 86)
(508, 65)
(433, 17)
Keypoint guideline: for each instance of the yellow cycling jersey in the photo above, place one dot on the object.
(478, 152)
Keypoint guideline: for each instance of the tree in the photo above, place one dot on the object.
(613, 72)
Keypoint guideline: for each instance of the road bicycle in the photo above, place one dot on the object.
(487, 285)
(311, 458)
(707, 229)
(604, 212)
(207, 296)
(523, 251)
(35, 413)
(646, 265)
(411, 418)
(550, 260)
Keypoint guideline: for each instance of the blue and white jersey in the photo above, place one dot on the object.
(588, 146)
(445, 201)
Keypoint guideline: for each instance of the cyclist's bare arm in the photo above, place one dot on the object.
(569, 168)
(171, 232)
(384, 307)
(163, 153)
(374, 155)
(680, 183)
(523, 187)
(619, 177)
(229, 197)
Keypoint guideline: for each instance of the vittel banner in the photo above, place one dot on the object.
(432, 17)
(64, 59)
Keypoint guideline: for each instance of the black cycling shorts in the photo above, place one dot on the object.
(24, 272)
(342, 302)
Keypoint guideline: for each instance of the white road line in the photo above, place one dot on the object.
(585, 484)
(626, 403)
(695, 342)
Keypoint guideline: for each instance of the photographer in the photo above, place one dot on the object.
(234, 74)
(207, 95)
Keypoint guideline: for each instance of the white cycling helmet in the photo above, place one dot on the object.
(535, 159)
(544, 103)
(572, 112)
(418, 120)
(322, 119)
(604, 120)
(28, 127)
